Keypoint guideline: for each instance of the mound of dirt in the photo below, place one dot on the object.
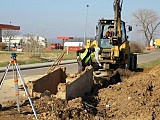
(138, 97)
(124, 95)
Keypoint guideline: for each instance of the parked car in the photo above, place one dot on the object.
(56, 46)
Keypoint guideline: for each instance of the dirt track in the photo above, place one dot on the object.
(136, 96)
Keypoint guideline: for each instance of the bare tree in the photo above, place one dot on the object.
(32, 47)
(9, 34)
(148, 22)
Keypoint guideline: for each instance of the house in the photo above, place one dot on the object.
(19, 41)
(73, 46)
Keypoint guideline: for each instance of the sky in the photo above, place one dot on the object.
(52, 18)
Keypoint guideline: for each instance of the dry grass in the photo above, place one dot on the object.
(23, 58)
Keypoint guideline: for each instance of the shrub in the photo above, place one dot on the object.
(136, 47)
(2, 46)
(33, 49)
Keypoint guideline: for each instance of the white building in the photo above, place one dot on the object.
(17, 41)
(76, 44)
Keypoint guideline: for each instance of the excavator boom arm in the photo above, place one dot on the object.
(117, 17)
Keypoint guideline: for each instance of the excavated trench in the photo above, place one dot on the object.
(63, 85)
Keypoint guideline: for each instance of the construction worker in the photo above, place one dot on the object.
(109, 32)
(85, 56)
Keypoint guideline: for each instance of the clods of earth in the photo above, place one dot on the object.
(124, 95)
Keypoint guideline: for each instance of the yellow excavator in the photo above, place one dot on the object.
(114, 50)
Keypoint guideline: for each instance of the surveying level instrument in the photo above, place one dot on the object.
(13, 56)
(16, 70)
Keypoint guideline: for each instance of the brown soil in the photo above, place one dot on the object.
(124, 95)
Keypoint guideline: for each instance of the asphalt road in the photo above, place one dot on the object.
(144, 58)
(72, 68)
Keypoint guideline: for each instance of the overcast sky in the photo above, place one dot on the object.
(52, 18)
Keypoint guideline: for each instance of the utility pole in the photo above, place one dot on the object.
(9, 40)
(86, 25)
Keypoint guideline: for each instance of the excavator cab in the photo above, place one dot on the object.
(102, 28)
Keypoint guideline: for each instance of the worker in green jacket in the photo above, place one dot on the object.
(84, 58)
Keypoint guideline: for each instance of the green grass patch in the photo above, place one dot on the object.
(22, 62)
(23, 59)
(4, 64)
(150, 64)
(30, 61)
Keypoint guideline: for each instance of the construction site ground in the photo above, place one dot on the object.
(123, 95)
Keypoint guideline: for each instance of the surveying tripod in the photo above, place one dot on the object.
(16, 70)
